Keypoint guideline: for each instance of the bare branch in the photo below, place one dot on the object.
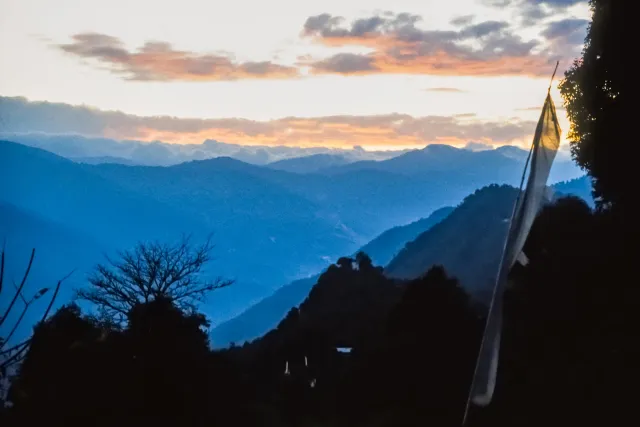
(24, 300)
(15, 347)
(24, 279)
(150, 271)
(55, 295)
(2, 269)
(18, 356)
(15, 326)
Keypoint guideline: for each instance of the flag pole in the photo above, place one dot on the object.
(495, 286)
(501, 266)
(553, 75)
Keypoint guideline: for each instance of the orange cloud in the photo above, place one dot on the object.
(391, 130)
(342, 131)
(400, 47)
(158, 61)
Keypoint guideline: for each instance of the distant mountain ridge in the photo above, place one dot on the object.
(309, 164)
(502, 163)
(157, 153)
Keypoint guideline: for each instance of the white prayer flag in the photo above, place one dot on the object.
(543, 151)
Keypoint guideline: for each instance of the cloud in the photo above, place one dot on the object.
(532, 13)
(445, 90)
(571, 31)
(566, 37)
(159, 61)
(346, 63)
(497, 3)
(386, 130)
(560, 3)
(462, 21)
(398, 46)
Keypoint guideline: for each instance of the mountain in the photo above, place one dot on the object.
(262, 316)
(383, 248)
(502, 164)
(265, 315)
(309, 164)
(345, 306)
(277, 234)
(271, 226)
(258, 226)
(468, 243)
(70, 194)
(72, 145)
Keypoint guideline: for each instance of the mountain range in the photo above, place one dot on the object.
(270, 226)
(97, 150)
(466, 240)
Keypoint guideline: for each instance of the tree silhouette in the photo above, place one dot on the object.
(156, 370)
(148, 272)
(419, 372)
(597, 103)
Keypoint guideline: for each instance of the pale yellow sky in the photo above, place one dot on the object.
(36, 67)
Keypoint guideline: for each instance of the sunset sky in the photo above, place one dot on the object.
(379, 74)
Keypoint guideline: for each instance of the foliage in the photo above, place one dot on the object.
(597, 103)
(569, 346)
(418, 373)
(157, 369)
(148, 272)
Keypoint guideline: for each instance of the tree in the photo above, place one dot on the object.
(597, 104)
(157, 369)
(419, 371)
(148, 272)
(364, 261)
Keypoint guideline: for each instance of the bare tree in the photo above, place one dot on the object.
(147, 272)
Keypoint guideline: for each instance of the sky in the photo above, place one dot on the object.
(377, 74)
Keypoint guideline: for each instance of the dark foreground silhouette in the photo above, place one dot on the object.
(570, 343)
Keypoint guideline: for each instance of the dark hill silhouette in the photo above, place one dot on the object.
(468, 243)
(402, 336)
(265, 315)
